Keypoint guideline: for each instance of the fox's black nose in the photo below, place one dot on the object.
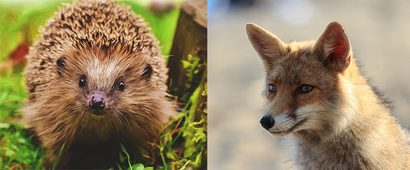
(267, 122)
(97, 103)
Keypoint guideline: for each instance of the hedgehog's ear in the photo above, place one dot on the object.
(61, 62)
(333, 48)
(61, 65)
(268, 46)
(146, 75)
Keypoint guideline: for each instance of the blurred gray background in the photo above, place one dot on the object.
(379, 31)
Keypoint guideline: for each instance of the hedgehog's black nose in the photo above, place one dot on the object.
(267, 122)
(97, 103)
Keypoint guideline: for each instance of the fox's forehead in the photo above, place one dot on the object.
(297, 66)
(299, 48)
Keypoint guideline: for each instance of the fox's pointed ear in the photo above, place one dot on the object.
(333, 47)
(268, 46)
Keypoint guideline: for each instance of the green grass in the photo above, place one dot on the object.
(18, 149)
(182, 143)
(12, 94)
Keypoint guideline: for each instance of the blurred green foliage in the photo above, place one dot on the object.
(20, 21)
(12, 93)
(182, 143)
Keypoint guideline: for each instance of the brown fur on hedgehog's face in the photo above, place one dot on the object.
(103, 81)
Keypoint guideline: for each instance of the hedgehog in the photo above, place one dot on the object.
(96, 74)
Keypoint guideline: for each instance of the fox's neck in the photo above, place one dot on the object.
(356, 143)
(341, 152)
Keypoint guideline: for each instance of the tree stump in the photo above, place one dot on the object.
(190, 40)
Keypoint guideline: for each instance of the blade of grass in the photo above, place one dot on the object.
(58, 157)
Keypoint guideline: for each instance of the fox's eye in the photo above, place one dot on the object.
(305, 88)
(272, 88)
(121, 86)
(83, 81)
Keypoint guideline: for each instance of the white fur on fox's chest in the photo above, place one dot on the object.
(324, 156)
(344, 152)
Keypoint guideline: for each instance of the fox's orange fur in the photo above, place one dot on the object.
(317, 98)
(103, 43)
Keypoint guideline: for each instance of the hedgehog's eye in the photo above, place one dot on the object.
(121, 86)
(147, 72)
(61, 63)
(83, 81)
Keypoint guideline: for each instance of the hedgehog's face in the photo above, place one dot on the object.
(103, 83)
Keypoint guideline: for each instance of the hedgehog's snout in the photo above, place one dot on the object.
(97, 102)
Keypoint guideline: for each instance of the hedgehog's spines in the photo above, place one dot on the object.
(81, 21)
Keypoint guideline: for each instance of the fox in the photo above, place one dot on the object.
(319, 101)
